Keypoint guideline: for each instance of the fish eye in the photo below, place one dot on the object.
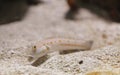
(34, 48)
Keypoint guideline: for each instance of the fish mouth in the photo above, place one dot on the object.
(31, 58)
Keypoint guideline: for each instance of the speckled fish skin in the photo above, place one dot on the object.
(59, 44)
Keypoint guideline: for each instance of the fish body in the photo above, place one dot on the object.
(58, 44)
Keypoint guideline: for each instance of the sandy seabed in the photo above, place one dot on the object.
(47, 20)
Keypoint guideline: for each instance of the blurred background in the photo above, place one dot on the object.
(15, 10)
(32, 20)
